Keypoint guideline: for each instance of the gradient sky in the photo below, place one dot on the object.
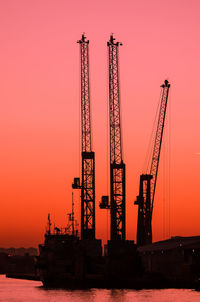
(40, 109)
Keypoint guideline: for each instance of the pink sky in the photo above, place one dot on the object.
(40, 108)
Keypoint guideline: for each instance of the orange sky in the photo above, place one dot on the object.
(40, 109)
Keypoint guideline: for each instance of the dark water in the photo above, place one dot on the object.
(13, 290)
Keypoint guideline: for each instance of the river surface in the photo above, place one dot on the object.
(15, 290)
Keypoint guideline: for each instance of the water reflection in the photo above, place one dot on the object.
(23, 290)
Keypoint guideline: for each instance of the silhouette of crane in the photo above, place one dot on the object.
(145, 199)
(117, 166)
(87, 185)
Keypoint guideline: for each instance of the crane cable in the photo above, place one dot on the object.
(149, 152)
(108, 147)
(169, 167)
(80, 148)
(164, 179)
(167, 174)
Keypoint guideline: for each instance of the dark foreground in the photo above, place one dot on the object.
(23, 276)
(146, 282)
(65, 261)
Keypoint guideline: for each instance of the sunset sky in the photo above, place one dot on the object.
(40, 110)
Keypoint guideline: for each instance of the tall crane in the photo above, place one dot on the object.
(145, 199)
(87, 185)
(117, 166)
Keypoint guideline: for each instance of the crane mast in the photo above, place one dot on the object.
(145, 200)
(87, 185)
(117, 167)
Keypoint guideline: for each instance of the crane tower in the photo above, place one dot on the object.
(87, 185)
(145, 200)
(117, 166)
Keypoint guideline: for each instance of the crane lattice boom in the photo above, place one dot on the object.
(158, 140)
(85, 95)
(88, 160)
(114, 103)
(117, 167)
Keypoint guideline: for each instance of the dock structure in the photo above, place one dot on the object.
(69, 260)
